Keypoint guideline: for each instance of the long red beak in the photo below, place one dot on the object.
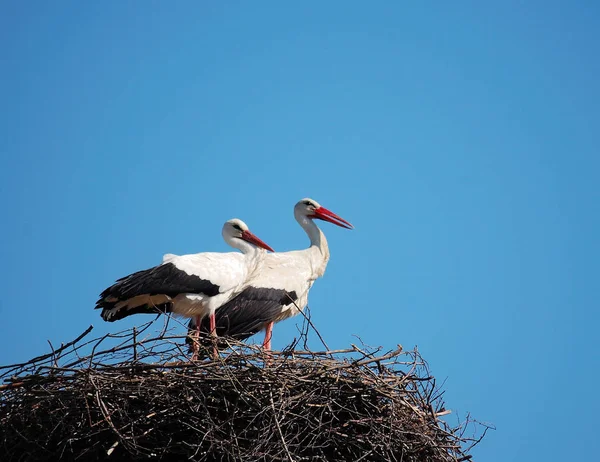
(323, 214)
(249, 237)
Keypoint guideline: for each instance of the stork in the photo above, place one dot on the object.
(188, 285)
(280, 288)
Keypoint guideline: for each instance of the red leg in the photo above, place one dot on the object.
(268, 335)
(196, 340)
(213, 324)
(213, 332)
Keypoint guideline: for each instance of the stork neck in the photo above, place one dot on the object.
(318, 244)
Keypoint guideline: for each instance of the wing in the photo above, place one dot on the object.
(247, 313)
(225, 270)
(208, 274)
(290, 271)
(164, 279)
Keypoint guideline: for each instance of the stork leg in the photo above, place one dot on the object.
(213, 332)
(196, 340)
(213, 325)
(268, 335)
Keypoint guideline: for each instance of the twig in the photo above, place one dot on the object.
(287, 451)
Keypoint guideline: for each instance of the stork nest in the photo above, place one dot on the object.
(124, 397)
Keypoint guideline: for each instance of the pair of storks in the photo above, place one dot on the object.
(229, 294)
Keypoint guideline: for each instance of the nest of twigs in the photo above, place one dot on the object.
(124, 397)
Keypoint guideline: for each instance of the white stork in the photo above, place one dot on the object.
(188, 285)
(280, 288)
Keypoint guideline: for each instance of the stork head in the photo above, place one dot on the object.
(235, 229)
(310, 208)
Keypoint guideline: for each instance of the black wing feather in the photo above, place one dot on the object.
(247, 313)
(142, 309)
(163, 279)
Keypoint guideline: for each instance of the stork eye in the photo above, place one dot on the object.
(308, 203)
(237, 227)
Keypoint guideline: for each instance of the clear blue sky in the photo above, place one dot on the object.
(461, 139)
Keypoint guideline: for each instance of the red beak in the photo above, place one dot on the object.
(249, 237)
(323, 214)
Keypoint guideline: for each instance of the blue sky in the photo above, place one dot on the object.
(460, 139)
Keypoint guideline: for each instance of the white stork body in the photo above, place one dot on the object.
(188, 285)
(281, 285)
